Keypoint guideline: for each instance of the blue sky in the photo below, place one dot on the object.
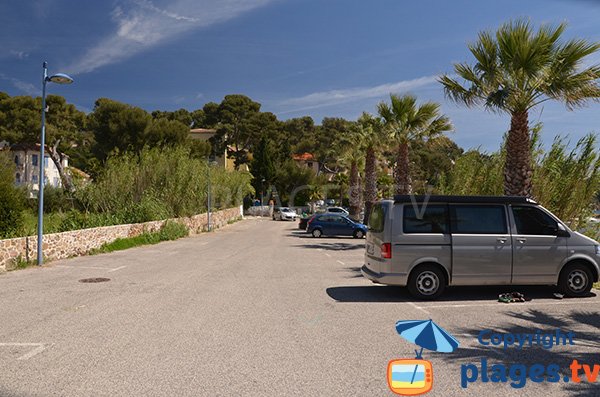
(321, 58)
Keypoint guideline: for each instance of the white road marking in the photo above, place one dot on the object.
(328, 255)
(39, 347)
(341, 263)
(116, 268)
(82, 267)
(418, 307)
(512, 305)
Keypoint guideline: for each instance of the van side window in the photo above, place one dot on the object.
(432, 219)
(478, 219)
(533, 221)
(377, 218)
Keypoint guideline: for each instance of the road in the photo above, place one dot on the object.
(256, 309)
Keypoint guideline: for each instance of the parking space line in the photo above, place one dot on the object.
(117, 268)
(341, 263)
(328, 255)
(39, 347)
(82, 267)
(503, 305)
(418, 307)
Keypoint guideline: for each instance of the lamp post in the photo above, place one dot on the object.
(59, 78)
(262, 193)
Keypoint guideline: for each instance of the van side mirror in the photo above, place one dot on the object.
(561, 232)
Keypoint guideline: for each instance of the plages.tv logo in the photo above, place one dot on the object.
(411, 377)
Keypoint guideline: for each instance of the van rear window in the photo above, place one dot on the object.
(431, 219)
(377, 218)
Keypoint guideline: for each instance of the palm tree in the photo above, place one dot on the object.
(517, 69)
(406, 121)
(353, 157)
(374, 137)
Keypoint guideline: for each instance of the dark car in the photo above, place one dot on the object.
(335, 225)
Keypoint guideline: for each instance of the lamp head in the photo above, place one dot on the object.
(60, 78)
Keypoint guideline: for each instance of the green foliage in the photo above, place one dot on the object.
(158, 184)
(12, 200)
(19, 263)
(169, 231)
(567, 181)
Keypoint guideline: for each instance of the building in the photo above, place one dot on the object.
(223, 160)
(306, 160)
(27, 161)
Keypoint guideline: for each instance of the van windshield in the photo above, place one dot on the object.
(377, 218)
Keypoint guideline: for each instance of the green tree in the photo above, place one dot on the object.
(11, 199)
(516, 70)
(408, 122)
(261, 166)
(374, 138)
(20, 122)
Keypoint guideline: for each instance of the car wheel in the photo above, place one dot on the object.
(317, 233)
(575, 280)
(427, 282)
(358, 234)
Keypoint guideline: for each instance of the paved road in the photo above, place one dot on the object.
(255, 309)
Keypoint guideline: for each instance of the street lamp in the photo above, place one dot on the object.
(59, 78)
(262, 192)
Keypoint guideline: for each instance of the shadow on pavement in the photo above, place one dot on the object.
(379, 293)
(333, 246)
(561, 355)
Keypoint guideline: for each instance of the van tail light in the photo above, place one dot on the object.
(386, 250)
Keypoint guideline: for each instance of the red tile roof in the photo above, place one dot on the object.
(303, 157)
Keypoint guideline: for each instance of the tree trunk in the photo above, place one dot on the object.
(370, 182)
(354, 191)
(517, 169)
(402, 172)
(57, 158)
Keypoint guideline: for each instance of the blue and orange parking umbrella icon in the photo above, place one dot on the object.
(411, 377)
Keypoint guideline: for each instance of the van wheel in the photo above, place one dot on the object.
(426, 282)
(317, 233)
(358, 234)
(575, 280)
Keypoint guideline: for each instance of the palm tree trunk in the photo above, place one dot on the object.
(517, 169)
(402, 172)
(370, 182)
(354, 191)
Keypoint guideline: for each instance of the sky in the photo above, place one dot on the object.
(321, 58)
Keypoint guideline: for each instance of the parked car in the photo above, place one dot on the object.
(284, 214)
(329, 224)
(337, 210)
(428, 243)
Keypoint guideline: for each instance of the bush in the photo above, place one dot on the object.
(12, 200)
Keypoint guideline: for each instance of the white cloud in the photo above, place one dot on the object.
(19, 54)
(26, 88)
(336, 97)
(142, 24)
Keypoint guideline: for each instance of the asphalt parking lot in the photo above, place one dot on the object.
(262, 309)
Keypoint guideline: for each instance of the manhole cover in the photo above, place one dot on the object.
(94, 280)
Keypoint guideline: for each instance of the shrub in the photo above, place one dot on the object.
(12, 200)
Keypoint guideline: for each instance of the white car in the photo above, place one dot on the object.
(284, 214)
(337, 210)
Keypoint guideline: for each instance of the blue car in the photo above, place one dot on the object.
(335, 225)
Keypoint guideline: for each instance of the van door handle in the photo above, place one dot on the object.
(501, 240)
(522, 240)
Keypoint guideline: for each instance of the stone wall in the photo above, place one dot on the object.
(80, 242)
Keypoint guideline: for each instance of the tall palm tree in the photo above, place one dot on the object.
(353, 159)
(407, 121)
(374, 138)
(516, 70)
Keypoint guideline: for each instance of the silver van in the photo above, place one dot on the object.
(429, 242)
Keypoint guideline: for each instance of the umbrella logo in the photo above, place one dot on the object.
(411, 377)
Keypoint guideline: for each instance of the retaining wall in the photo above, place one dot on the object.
(80, 242)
